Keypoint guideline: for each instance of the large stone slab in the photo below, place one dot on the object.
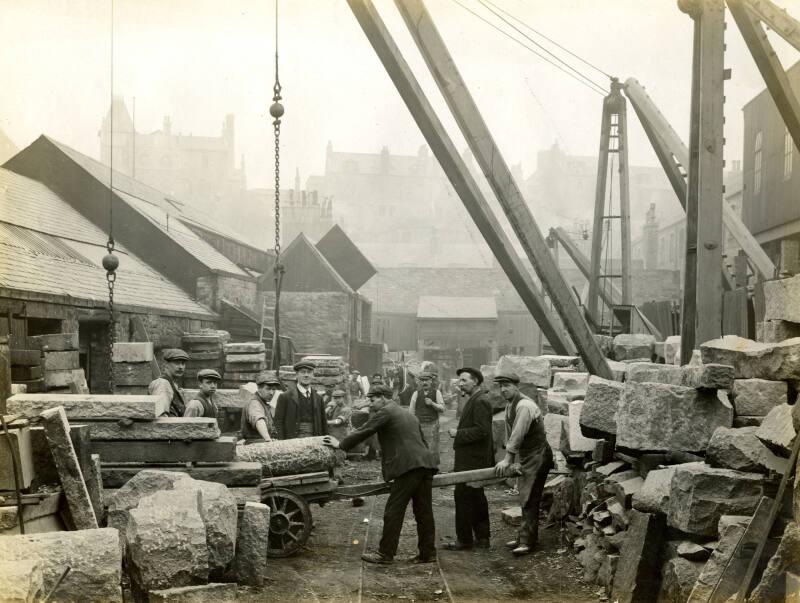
(95, 557)
(221, 450)
(202, 593)
(786, 559)
(166, 540)
(756, 397)
(60, 361)
(741, 450)
(84, 406)
(700, 495)
(570, 381)
(219, 513)
(533, 370)
(556, 428)
(70, 475)
(58, 342)
(655, 416)
(775, 331)
(600, 405)
(140, 351)
(577, 441)
(250, 564)
(753, 360)
(21, 581)
(142, 485)
(637, 575)
(777, 431)
(226, 398)
(629, 347)
(561, 362)
(163, 428)
(706, 376)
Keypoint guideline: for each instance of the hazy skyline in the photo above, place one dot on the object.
(198, 60)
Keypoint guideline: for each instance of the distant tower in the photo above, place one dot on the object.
(123, 137)
(650, 238)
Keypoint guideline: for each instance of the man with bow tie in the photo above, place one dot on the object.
(299, 411)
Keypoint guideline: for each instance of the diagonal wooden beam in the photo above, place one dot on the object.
(457, 172)
(497, 172)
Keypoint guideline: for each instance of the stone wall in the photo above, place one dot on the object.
(317, 322)
(240, 291)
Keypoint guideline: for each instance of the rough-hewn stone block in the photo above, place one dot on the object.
(655, 416)
(84, 406)
(133, 352)
(21, 581)
(95, 557)
(54, 343)
(556, 428)
(636, 579)
(756, 397)
(706, 376)
(775, 331)
(570, 381)
(700, 495)
(628, 346)
(782, 299)
(741, 450)
(531, 370)
(777, 431)
(250, 563)
(577, 441)
(253, 347)
(288, 457)
(598, 415)
(60, 361)
(753, 360)
(672, 350)
(678, 576)
(163, 428)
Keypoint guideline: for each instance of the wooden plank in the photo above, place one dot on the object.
(234, 474)
(210, 451)
(26, 358)
(458, 174)
(5, 373)
(80, 506)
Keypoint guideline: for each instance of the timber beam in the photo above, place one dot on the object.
(488, 156)
(457, 172)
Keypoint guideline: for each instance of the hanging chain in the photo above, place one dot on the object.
(276, 111)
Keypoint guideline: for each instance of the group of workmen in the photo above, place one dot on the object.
(409, 444)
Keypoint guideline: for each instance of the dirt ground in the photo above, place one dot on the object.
(330, 568)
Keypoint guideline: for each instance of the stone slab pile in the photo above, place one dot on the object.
(133, 367)
(628, 347)
(60, 361)
(243, 363)
(205, 350)
(26, 369)
(330, 372)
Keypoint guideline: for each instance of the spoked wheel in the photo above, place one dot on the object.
(289, 522)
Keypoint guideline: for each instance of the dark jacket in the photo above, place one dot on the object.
(286, 414)
(402, 446)
(473, 444)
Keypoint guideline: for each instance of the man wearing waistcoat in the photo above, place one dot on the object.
(299, 411)
(170, 399)
(526, 444)
(205, 403)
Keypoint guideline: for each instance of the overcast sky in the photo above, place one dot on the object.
(197, 60)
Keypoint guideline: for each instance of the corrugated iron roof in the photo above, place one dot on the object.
(481, 308)
(38, 243)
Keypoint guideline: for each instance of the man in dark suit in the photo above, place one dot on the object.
(474, 449)
(407, 463)
(299, 411)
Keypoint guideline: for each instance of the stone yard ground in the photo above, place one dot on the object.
(330, 569)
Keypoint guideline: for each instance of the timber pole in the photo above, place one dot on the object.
(497, 172)
(457, 172)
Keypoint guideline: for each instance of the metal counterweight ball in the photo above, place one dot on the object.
(110, 262)
(276, 110)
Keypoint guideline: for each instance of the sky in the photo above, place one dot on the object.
(196, 60)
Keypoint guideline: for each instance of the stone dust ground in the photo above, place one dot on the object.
(330, 568)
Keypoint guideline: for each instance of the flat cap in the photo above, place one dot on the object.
(338, 393)
(474, 372)
(268, 378)
(304, 364)
(506, 377)
(208, 374)
(174, 354)
(425, 375)
(380, 390)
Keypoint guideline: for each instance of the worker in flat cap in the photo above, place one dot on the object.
(337, 411)
(407, 463)
(204, 404)
(299, 411)
(427, 403)
(526, 446)
(170, 399)
(474, 449)
(258, 421)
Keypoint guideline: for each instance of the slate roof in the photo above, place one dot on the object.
(47, 247)
(156, 207)
(306, 270)
(346, 258)
(456, 308)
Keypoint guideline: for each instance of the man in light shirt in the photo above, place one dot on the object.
(170, 399)
(258, 423)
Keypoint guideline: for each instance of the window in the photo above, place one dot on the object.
(757, 164)
(788, 150)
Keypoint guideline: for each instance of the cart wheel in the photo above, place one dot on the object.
(289, 522)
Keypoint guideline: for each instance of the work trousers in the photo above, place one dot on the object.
(528, 532)
(472, 514)
(415, 485)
